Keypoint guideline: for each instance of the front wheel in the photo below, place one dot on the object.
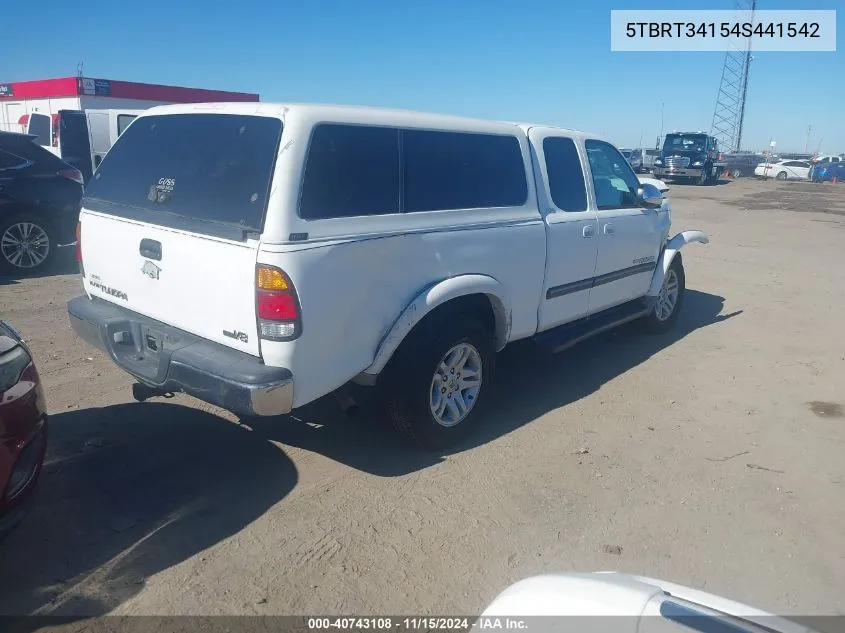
(736, 173)
(781, 176)
(434, 385)
(667, 307)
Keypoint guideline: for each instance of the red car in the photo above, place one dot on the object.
(23, 427)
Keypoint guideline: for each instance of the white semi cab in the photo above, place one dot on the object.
(260, 256)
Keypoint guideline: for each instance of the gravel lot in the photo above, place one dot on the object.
(711, 456)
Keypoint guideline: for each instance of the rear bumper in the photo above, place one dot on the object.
(206, 370)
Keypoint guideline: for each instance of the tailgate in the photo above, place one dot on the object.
(197, 283)
(172, 217)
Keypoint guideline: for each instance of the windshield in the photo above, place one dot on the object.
(685, 142)
(211, 167)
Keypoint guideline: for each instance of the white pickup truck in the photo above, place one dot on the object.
(260, 256)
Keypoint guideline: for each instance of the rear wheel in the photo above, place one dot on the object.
(736, 173)
(434, 385)
(26, 244)
(669, 300)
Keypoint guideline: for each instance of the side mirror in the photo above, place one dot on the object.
(649, 195)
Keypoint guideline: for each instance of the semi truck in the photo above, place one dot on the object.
(693, 157)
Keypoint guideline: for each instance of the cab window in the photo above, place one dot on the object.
(614, 181)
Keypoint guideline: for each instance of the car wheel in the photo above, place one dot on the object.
(781, 176)
(437, 380)
(736, 173)
(26, 245)
(702, 179)
(667, 307)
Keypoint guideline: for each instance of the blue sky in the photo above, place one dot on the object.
(545, 61)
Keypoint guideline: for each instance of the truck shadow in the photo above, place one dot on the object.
(537, 382)
(128, 491)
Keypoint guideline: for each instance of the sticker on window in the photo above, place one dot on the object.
(162, 190)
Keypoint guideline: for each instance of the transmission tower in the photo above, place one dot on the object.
(730, 102)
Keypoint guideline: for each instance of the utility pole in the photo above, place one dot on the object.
(729, 115)
(660, 138)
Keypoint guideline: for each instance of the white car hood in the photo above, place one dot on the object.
(654, 181)
(647, 605)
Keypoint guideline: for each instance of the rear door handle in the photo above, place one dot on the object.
(151, 249)
(609, 229)
(588, 231)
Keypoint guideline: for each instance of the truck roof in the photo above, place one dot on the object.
(315, 112)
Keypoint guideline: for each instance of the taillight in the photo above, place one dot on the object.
(279, 317)
(721, 157)
(71, 174)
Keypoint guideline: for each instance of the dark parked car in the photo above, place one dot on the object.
(828, 172)
(40, 197)
(739, 165)
(23, 427)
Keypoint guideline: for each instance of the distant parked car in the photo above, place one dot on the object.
(634, 158)
(829, 172)
(23, 427)
(784, 170)
(824, 160)
(648, 158)
(40, 198)
(739, 165)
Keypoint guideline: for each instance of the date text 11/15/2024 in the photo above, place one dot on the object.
(722, 29)
(422, 623)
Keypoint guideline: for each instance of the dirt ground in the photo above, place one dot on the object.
(711, 456)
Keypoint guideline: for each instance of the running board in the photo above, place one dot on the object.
(569, 334)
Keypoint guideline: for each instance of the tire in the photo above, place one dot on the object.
(781, 176)
(658, 321)
(412, 375)
(703, 179)
(736, 173)
(38, 234)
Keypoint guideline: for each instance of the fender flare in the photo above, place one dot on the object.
(436, 295)
(671, 249)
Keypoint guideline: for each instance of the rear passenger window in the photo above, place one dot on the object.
(457, 170)
(566, 178)
(351, 170)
